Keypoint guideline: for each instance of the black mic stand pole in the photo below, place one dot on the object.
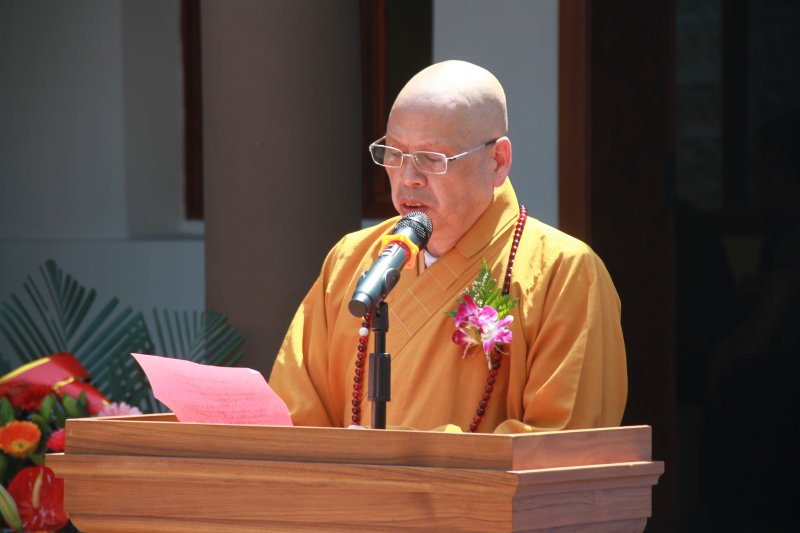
(380, 368)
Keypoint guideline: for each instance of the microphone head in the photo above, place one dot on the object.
(419, 224)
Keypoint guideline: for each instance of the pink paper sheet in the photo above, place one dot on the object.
(213, 394)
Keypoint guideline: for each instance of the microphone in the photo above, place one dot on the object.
(410, 235)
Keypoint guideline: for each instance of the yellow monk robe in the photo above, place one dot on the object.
(566, 365)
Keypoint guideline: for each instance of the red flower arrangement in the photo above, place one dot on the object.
(32, 419)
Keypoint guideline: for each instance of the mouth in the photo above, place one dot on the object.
(412, 205)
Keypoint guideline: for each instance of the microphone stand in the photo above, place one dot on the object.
(380, 368)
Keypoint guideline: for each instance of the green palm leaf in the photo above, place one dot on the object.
(60, 315)
(203, 337)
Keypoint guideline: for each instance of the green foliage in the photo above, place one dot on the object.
(484, 291)
(6, 411)
(60, 315)
(8, 509)
(204, 337)
(59, 318)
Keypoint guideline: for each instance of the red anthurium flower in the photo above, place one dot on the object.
(40, 498)
(20, 437)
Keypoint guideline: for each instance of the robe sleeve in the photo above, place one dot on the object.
(576, 374)
(300, 373)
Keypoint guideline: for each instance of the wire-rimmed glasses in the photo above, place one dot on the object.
(428, 162)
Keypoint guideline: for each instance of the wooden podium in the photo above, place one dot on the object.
(152, 474)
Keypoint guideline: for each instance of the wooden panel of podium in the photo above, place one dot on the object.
(153, 474)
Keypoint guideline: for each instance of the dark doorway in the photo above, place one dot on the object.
(737, 242)
(679, 164)
(396, 43)
(616, 145)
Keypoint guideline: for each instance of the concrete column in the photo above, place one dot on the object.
(282, 155)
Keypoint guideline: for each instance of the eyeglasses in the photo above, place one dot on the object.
(428, 162)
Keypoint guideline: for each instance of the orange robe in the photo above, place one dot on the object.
(566, 364)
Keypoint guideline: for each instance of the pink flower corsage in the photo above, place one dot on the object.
(482, 317)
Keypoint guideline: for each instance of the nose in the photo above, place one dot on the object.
(410, 174)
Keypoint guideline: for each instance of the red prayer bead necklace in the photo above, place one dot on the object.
(358, 378)
(363, 338)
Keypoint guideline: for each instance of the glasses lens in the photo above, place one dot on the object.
(386, 155)
(431, 162)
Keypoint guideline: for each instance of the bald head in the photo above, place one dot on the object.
(467, 95)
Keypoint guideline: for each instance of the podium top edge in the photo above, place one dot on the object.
(160, 435)
(170, 419)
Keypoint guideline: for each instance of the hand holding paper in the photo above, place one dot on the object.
(213, 394)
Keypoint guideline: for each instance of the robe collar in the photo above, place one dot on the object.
(417, 299)
(503, 211)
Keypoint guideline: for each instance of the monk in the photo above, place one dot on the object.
(555, 361)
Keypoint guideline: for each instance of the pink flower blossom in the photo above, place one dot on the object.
(119, 409)
(479, 325)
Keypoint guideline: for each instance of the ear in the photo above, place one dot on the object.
(502, 160)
